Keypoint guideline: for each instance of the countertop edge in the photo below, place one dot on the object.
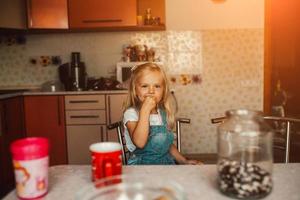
(40, 93)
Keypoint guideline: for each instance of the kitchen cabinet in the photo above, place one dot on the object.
(79, 138)
(80, 15)
(102, 13)
(47, 14)
(12, 128)
(2, 183)
(114, 113)
(12, 14)
(44, 117)
(85, 119)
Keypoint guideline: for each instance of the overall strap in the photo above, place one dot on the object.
(163, 116)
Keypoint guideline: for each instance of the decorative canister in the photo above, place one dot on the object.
(30, 161)
(245, 155)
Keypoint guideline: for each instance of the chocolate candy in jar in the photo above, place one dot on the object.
(245, 155)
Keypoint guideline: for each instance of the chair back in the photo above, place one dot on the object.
(121, 137)
(125, 152)
(282, 131)
(180, 121)
(282, 127)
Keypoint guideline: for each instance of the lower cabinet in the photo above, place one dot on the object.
(44, 117)
(86, 119)
(79, 139)
(70, 122)
(114, 105)
(11, 129)
(2, 183)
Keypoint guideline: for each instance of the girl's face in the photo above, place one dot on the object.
(150, 83)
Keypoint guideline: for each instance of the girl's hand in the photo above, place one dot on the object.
(193, 162)
(149, 103)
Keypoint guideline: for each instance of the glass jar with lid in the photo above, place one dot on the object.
(245, 155)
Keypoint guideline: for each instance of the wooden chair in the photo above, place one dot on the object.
(282, 132)
(121, 137)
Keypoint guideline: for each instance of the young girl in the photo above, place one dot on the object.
(148, 119)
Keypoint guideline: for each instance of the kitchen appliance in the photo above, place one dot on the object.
(102, 84)
(124, 70)
(73, 75)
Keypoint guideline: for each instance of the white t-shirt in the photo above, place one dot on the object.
(132, 115)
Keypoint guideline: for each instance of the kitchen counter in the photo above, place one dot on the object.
(198, 181)
(38, 92)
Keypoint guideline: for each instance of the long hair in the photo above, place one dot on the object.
(165, 103)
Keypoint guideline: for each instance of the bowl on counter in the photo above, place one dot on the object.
(52, 86)
(125, 187)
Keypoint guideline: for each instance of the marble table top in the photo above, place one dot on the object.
(198, 181)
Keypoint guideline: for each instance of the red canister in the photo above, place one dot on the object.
(31, 161)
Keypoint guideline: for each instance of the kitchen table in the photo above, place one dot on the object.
(198, 181)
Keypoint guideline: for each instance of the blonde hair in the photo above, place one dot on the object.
(133, 100)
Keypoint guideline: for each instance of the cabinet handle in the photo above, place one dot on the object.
(5, 129)
(109, 114)
(101, 132)
(90, 21)
(106, 136)
(1, 125)
(84, 116)
(58, 111)
(84, 101)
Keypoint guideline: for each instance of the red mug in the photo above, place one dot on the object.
(106, 159)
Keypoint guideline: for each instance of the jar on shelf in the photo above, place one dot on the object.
(245, 155)
(148, 17)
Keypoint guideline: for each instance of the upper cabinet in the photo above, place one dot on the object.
(12, 14)
(102, 13)
(47, 14)
(82, 15)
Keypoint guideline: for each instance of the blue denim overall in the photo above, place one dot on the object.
(156, 151)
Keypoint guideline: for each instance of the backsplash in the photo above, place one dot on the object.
(227, 66)
(232, 78)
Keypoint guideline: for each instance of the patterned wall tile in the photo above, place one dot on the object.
(229, 62)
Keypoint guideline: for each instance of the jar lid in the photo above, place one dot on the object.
(244, 112)
(30, 148)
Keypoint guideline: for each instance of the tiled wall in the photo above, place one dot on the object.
(228, 62)
(232, 78)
